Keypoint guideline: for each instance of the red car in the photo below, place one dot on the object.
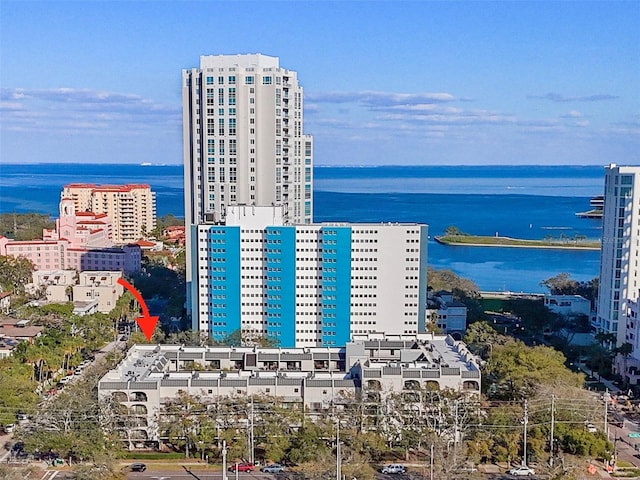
(242, 467)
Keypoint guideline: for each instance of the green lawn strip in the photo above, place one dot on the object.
(479, 240)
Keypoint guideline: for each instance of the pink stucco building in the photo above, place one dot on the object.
(80, 241)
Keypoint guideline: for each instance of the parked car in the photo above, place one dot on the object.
(242, 467)
(591, 428)
(522, 471)
(138, 467)
(9, 428)
(393, 468)
(273, 468)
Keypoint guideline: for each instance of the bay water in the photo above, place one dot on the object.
(518, 201)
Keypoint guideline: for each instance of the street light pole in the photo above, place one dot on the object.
(224, 460)
(526, 420)
(251, 439)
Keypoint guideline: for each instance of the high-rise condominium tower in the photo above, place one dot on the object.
(619, 282)
(131, 207)
(243, 139)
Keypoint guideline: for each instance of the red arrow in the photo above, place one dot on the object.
(146, 322)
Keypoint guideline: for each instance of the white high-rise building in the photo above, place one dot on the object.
(307, 285)
(619, 282)
(243, 139)
(244, 142)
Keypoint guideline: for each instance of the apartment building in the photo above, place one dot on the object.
(99, 286)
(445, 313)
(244, 141)
(131, 207)
(307, 285)
(619, 285)
(55, 283)
(315, 378)
(243, 138)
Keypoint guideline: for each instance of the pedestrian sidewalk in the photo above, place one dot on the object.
(607, 383)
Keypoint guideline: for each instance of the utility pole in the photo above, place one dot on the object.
(526, 420)
(431, 463)
(251, 439)
(553, 407)
(456, 432)
(606, 409)
(338, 459)
(224, 460)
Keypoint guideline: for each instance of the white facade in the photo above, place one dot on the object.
(317, 378)
(243, 138)
(243, 141)
(308, 285)
(568, 305)
(448, 314)
(619, 269)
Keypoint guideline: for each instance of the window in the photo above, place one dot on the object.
(209, 80)
(248, 80)
(232, 79)
(266, 80)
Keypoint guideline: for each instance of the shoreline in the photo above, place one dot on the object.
(509, 243)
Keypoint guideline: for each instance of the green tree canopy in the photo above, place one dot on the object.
(563, 284)
(519, 371)
(15, 273)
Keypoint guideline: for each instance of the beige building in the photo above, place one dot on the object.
(101, 286)
(316, 378)
(131, 207)
(55, 283)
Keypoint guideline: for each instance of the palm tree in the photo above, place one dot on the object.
(626, 349)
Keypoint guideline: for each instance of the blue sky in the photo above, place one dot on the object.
(386, 82)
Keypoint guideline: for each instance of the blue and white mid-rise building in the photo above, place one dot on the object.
(307, 285)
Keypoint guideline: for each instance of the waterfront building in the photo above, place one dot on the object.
(315, 379)
(131, 207)
(80, 241)
(618, 281)
(446, 314)
(568, 305)
(244, 141)
(82, 229)
(307, 285)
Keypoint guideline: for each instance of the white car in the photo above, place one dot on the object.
(522, 471)
(591, 428)
(393, 468)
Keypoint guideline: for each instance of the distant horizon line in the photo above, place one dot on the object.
(343, 165)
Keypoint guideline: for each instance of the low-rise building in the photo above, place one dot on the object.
(175, 234)
(568, 305)
(313, 377)
(6, 347)
(19, 330)
(446, 313)
(5, 302)
(54, 284)
(100, 286)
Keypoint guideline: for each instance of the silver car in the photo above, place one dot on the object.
(394, 468)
